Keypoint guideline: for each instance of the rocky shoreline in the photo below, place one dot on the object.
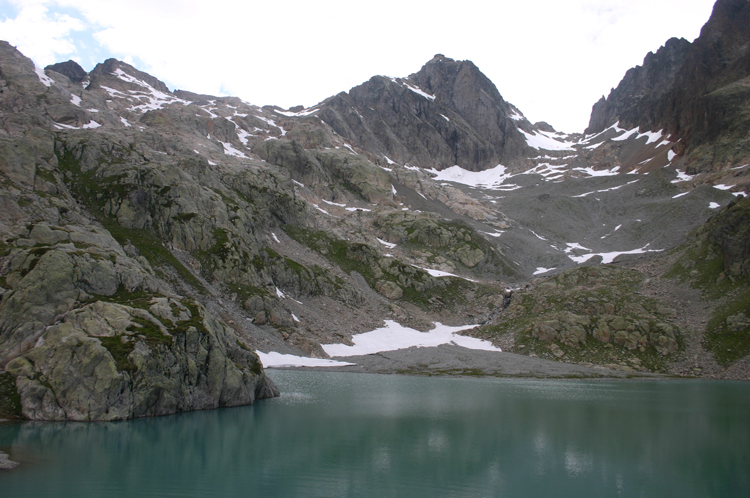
(451, 360)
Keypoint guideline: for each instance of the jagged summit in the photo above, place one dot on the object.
(71, 69)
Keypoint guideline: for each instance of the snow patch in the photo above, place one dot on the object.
(541, 270)
(440, 273)
(591, 147)
(544, 140)
(389, 245)
(607, 257)
(415, 89)
(395, 336)
(603, 172)
(231, 151)
(279, 360)
(626, 135)
(303, 112)
(75, 100)
(490, 178)
(713, 205)
(322, 210)
(46, 80)
(606, 189)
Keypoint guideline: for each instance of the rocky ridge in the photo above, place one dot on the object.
(697, 93)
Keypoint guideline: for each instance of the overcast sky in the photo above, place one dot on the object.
(550, 58)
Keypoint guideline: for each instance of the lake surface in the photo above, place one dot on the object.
(343, 434)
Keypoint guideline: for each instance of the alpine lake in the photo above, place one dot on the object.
(335, 434)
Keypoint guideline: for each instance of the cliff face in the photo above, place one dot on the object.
(696, 92)
(632, 103)
(448, 113)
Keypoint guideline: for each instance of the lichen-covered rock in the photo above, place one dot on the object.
(48, 281)
(108, 361)
(588, 310)
(738, 322)
(389, 289)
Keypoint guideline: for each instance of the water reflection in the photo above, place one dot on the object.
(334, 434)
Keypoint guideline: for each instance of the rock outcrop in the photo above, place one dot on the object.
(107, 361)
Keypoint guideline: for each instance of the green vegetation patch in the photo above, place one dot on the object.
(728, 330)
(716, 261)
(195, 320)
(120, 351)
(10, 400)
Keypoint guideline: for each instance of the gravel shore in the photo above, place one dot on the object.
(454, 360)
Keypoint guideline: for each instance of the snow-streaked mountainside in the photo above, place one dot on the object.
(156, 246)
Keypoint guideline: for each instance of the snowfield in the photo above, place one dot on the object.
(395, 336)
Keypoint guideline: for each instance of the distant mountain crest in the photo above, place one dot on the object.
(71, 69)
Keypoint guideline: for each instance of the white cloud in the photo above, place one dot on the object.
(39, 34)
(551, 59)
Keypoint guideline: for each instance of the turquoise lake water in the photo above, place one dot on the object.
(340, 435)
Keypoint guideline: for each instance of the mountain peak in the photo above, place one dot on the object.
(113, 67)
(71, 69)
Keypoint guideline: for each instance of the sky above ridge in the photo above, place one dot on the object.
(551, 59)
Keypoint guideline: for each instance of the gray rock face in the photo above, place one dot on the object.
(71, 69)
(640, 88)
(446, 114)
